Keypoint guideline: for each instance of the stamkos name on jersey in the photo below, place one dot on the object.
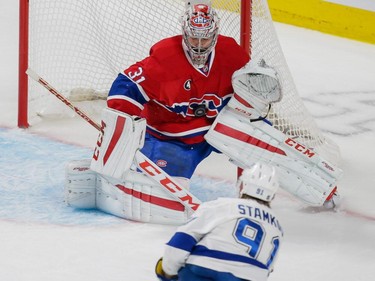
(259, 214)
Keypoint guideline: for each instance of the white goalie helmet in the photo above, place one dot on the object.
(200, 29)
(259, 181)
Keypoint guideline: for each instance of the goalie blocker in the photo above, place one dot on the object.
(301, 171)
(121, 135)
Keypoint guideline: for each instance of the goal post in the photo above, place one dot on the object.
(80, 46)
(245, 30)
(23, 64)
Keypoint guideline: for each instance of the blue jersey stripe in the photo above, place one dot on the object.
(123, 85)
(203, 251)
(182, 241)
(183, 134)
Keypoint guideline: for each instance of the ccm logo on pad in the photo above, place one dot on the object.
(299, 147)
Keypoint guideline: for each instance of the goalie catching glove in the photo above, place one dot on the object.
(255, 86)
(302, 171)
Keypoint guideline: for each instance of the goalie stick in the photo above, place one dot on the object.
(32, 74)
(142, 161)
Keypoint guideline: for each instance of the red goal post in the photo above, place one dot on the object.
(81, 45)
(23, 58)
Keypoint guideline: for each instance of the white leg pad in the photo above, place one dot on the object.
(80, 185)
(302, 172)
(139, 198)
(136, 197)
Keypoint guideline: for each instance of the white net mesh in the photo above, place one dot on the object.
(79, 47)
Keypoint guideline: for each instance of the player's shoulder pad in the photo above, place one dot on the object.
(167, 47)
(217, 203)
(222, 39)
(228, 48)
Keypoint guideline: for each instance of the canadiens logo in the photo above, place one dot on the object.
(161, 163)
(208, 105)
(187, 85)
(200, 21)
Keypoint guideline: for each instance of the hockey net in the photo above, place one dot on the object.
(80, 46)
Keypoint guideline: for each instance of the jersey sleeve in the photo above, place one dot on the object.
(188, 235)
(137, 85)
(127, 93)
(126, 96)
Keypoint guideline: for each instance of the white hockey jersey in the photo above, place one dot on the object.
(233, 235)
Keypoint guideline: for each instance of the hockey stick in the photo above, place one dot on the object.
(53, 91)
(143, 163)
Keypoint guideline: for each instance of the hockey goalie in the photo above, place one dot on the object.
(113, 182)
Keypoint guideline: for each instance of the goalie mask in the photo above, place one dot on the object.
(200, 28)
(260, 181)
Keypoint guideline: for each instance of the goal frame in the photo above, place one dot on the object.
(245, 34)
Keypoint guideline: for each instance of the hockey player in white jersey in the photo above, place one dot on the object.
(228, 238)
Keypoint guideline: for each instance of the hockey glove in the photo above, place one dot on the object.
(162, 276)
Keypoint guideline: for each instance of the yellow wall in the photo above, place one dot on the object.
(326, 17)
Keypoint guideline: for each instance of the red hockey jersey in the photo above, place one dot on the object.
(179, 101)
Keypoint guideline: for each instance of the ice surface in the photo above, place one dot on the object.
(42, 239)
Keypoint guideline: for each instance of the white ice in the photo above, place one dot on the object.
(41, 239)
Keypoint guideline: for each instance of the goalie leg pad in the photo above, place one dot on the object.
(139, 198)
(303, 174)
(80, 185)
(120, 137)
